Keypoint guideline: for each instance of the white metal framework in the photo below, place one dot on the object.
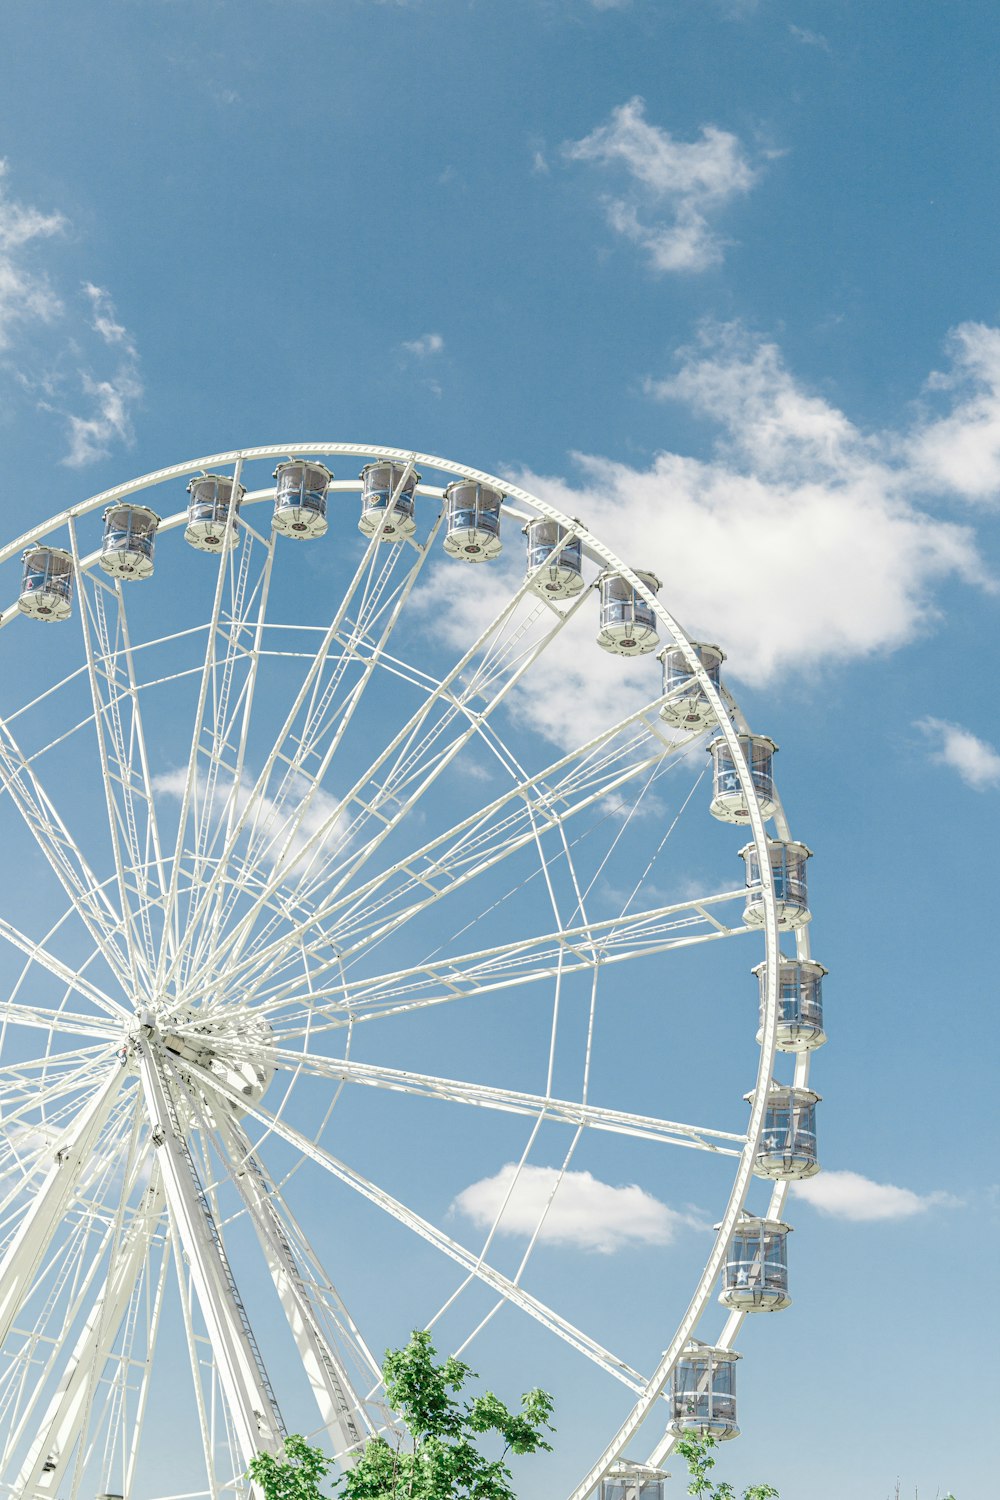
(295, 874)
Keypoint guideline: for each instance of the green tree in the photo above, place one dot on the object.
(696, 1451)
(295, 1475)
(442, 1460)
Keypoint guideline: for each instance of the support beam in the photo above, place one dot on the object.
(71, 1152)
(252, 1404)
(44, 1469)
(341, 1409)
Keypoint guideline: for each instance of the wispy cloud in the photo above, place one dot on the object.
(975, 760)
(584, 1212)
(268, 823)
(676, 189)
(83, 330)
(421, 348)
(849, 1195)
(26, 294)
(809, 38)
(960, 451)
(109, 419)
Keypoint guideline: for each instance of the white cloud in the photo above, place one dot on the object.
(848, 1195)
(428, 343)
(801, 541)
(104, 320)
(25, 293)
(810, 38)
(585, 1212)
(270, 821)
(111, 399)
(687, 181)
(960, 452)
(976, 761)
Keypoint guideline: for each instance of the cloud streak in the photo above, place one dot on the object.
(423, 347)
(26, 295)
(76, 366)
(582, 1211)
(675, 189)
(849, 1195)
(109, 419)
(975, 760)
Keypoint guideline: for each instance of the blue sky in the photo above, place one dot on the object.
(721, 280)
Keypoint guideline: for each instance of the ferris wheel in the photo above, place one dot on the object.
(363, 911)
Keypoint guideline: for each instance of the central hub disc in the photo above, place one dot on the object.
(235, 1046)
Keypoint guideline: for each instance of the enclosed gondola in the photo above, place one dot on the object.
(472, 515)
(686, 705)
(703, 1392)
(628, 620)
(788, 873)
(800, 1004)
(300, 495)
(213, 512)
(555, 559)
(755, 1274)
(632, 1481)
(46, 584)
(787, 1148)
(129, 541)
(729, 802)
(388, 500)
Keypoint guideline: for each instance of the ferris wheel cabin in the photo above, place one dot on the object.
(800, 1004)
(729, 803)
(472, 512)
(387, 498)
(755, 1275)
(628, 621)
(129, 541)
(703, 1392)
(788, 872)
(686, 706)
(787, 1149)
(631, 1481)
(555, 557)
(214, 499)
(46, 584)
(300, 499)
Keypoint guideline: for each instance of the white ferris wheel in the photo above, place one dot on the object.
(310, 921)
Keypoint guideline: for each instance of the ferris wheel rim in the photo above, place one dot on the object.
(728, 721)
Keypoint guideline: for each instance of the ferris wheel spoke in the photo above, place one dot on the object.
(246, 804)
(249, 1394)
(124, 768)
(524, 961)
(186, 1292)
(515, 1295)
(568, 787)
(37, 952)
(82, 1262)
(392, 786)
(66, 1417)
(566, 1111)
(71, 1156)
(363, 642)
(189, 794)
(17, 1013)
(223, 750)
(341, 1408)
(61, 852)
